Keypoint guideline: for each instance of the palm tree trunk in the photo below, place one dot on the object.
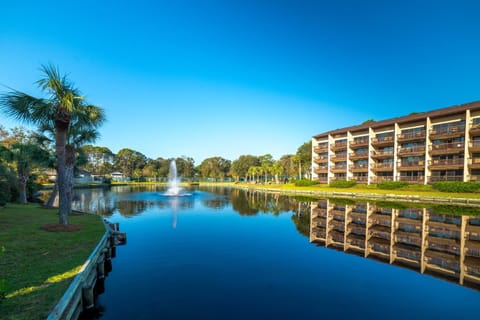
(53, 195)
(61, 128)
(69, 167)
(22, 188)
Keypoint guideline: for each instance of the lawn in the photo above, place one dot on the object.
(36, 266)
(418, 190)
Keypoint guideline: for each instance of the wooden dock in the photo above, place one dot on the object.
(80, 295)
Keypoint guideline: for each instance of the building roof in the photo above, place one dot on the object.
(406, 119)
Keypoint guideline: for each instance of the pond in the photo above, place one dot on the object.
(235, 254)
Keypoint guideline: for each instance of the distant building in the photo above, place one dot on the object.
(439, 145)
(83, 176)
(118, 176)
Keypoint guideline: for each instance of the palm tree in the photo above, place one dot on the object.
(25, 156)
(59, 107)
(83, 130)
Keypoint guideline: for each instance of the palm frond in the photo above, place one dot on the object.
(25, 108)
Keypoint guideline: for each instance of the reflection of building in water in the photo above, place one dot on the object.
(441, 245)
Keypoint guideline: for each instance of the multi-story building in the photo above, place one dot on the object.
(420, 239)
(440, 145)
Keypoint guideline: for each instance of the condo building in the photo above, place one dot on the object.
(439, 145)
(446, 246)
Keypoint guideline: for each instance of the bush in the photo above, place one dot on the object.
(455, 186)
(305, 183)
(391, 185)
(342, 184)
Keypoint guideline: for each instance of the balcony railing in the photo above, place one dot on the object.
(360, 178)
(445, 164)
(411, 165)
(338, 168)
(359, 143)
(383, 141)
(411, 136)
(475, 130)
(322, 169)
(444, 178)
(474, 163)
(338, 146)
(474, 146)
(448, 132)
(340, 157)
(321, 148)
(384, 154)
(320, 159)
(412, 151)
(412, 179)
(381, 179)
(355, 156)
(447, 148)
(382, 166)
(359, 167)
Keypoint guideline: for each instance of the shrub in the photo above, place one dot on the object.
(305, 183)
(455, 186)
(342, 184)
(391, 185)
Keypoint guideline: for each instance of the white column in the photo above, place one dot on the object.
(428, 126)
(396, 132)
(466, 154)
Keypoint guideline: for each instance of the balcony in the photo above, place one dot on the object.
(321, 148)
(381, 179)
(446, 164)
(338, 146)
(360, 179)
(358, 143)
(411, 166)
(412, 179)
(449, 132)
(357, 156)
(475, 130)
(382, 167)
(322, 179)
(474, 146)
(444, 178)
(338, 168)
(339, 157)
(322, 169)
(474, 163)
(320, 159)
(411, 136)
(383, 141)
(363, 167)
(447, 148)
(411, 151)
(383, 154)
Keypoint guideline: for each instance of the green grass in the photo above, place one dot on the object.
(420, 190)
(37, 266)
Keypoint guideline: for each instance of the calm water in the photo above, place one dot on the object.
(230, 254)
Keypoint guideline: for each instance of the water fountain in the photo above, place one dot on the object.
(174, 189)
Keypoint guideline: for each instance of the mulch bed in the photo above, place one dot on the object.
(55, 227)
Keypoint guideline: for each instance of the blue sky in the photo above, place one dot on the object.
(226, 78)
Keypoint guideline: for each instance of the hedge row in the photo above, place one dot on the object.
(305, 183)
(455, 186)
(391, 185)
(342, 184)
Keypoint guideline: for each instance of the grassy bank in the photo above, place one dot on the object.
(36, 266)
(413, 190)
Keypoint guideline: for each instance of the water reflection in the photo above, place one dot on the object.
(435, 240)
(421, 239)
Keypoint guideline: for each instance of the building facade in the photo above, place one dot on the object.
(440, 145)
(417, 238)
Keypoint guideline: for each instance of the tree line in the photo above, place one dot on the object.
(66, 126)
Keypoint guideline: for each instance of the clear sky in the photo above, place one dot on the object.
(226, 78)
